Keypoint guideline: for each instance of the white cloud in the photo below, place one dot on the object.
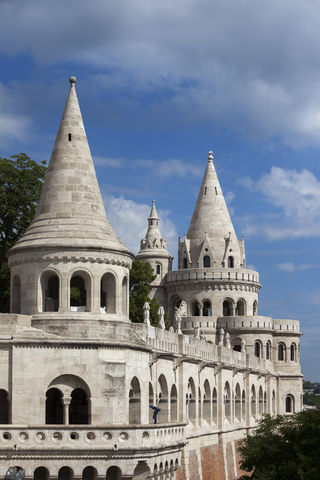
(129, 220)
(296, 195)
(291, 267)
(253, 66)
(171, 168)
(108, 162)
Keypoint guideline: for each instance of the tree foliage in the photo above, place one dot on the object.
(21, 180)
(141, 277)
(283, 448)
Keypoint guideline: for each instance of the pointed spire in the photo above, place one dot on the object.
(70, 212)
(211, 219)
(153, 231)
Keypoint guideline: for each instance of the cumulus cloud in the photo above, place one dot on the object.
(129, 220)
(296, 196)
(251, 66)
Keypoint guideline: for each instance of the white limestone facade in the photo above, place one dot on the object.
(77, 377)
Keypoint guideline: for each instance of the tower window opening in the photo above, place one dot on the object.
(257, 349)
(69, 137)
(158, 269)
(230, 262)
(206, 262)
(205, 190)
(185, 263)
(216, 190)
(292, 353)
(280, 352)
(227, 308)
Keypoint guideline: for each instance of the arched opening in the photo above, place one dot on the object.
(174, 404)
(293, 352)
(41, 473)
(191, 402)
(289, 404)
(114, 473)
(230, 262)
(255, 308)
(243, 409)
(65, 473)
(158, 269)
(200, 412)
(257, 349)
(195, 312)
(80, 292)
(50, 287)
(237, 409)
(185, 263)
(260, 401)
(16, 295)
(227, 402)
(236, 344)
(4, 407)
(273, 403)
(163, 399)
(240, 308)
(135, 402)
(207, 403)
(253, 402)
(280, 352)
(54, 407)
(141, 472)
(227, 308)
(90, 473)
(125, 295)
(79, 408)
(214, 406)
(265, 402)
(108, 293)
(206, 262)
(151, 402)
(268, 351)
(207, 308)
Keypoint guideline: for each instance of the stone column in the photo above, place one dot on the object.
(66, 403)
(64, 304)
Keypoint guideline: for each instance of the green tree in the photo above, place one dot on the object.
(283, 448)
(21, 180)
(141, 277)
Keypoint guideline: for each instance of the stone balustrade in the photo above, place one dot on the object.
(212, 274)
(79, 437)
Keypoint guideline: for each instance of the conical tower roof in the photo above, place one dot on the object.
(71, 211)
(211, 220)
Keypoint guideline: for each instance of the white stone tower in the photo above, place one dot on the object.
(70, 243)
(153, 249)
(211, 277)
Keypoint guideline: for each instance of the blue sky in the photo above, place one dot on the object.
(162, 83)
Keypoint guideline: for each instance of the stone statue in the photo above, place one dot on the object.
(197, 330)
(161, 323)
(228, 344)
(243, 346)
(146, 313)
(177, 321)
(221, 334)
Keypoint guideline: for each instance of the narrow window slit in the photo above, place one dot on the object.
(205, 190)
(69, 137)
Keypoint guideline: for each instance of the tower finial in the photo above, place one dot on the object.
(210, 158)
(72, 80)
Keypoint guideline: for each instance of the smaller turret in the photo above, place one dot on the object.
(153, 249)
